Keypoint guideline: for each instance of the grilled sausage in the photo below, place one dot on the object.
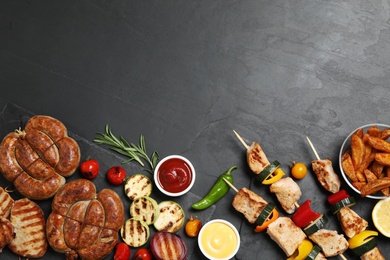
(9, 166)
(55, 233)
(38, 189)
(100, 249)
(43, 145)
(49, 125)
(113, 207)
(77, 190)
(69, 153)
(29, 225)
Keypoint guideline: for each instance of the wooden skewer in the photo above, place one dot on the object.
(241, 140)
(342, 256)
(231, 185)
(314, 149)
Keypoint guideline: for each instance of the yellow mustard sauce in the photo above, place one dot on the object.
(219, 240)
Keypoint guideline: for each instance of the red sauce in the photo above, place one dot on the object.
(174, 175)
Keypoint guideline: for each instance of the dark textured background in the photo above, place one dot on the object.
(185, 73)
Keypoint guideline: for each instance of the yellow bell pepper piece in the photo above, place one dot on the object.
(360, 239)
(303, 250)
(275, 176)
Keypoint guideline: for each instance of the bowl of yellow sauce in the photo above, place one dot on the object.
(219, 240)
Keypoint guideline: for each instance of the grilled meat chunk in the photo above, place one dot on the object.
(286, 234)
(373, 254)
(29, 226)
(6, 232)
(351, 223)
(249, 203)
(330, 241)
(257, 160)
(326, 175)
(287, 192)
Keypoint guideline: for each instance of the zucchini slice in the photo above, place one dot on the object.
(313, 253)
(264, 174)
(171, 217)
(316, 225)
(145, 209)
(347, 202)
(364, 248)
(265, 213)
(138, 185)
(135, 232)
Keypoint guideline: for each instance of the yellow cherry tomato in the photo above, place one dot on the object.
(298, 170)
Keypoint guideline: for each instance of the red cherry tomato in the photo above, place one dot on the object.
(90, 169)
(142, 254)
(116, 175)
(122, 251)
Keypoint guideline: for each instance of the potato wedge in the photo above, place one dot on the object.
(379, 144)
(357, 150)
(374, 131)
(348, 167)
(375, 186)
(383, 158)
(370, 176)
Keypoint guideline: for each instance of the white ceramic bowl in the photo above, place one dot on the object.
(169, 173)
(346, 146)
(218, 239)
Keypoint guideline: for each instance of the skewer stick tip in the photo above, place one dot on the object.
(312, 147)
(241, 140)
(343, 257)
(231, 185)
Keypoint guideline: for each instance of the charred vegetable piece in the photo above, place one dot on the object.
(347, 202)
(162, 240)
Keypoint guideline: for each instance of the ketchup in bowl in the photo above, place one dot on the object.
(174, 175)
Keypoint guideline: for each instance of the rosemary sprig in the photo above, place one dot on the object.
(131, 151)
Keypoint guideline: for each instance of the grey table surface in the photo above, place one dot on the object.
(186, 73)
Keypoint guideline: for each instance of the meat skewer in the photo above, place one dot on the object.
(286, 189)
(325, 172)
(287, 234)
(351, 223)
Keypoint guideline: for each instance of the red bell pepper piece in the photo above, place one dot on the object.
(304, 215)
(336, 197)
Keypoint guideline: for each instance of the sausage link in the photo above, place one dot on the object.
(72, 232)
(69, 156)
(89, 235)
(78, 210)
(24, 154)
(76, 190)
(113, 207)
(40, 170)
(49, 125)
(43, 145)
(55, 233)
(38, 189)
(95, 214)
(100, 249)
(9, 166)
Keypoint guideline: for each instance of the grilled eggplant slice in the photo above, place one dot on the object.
(171, 217)
(145, 209)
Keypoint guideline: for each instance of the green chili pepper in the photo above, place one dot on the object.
(219, 190)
